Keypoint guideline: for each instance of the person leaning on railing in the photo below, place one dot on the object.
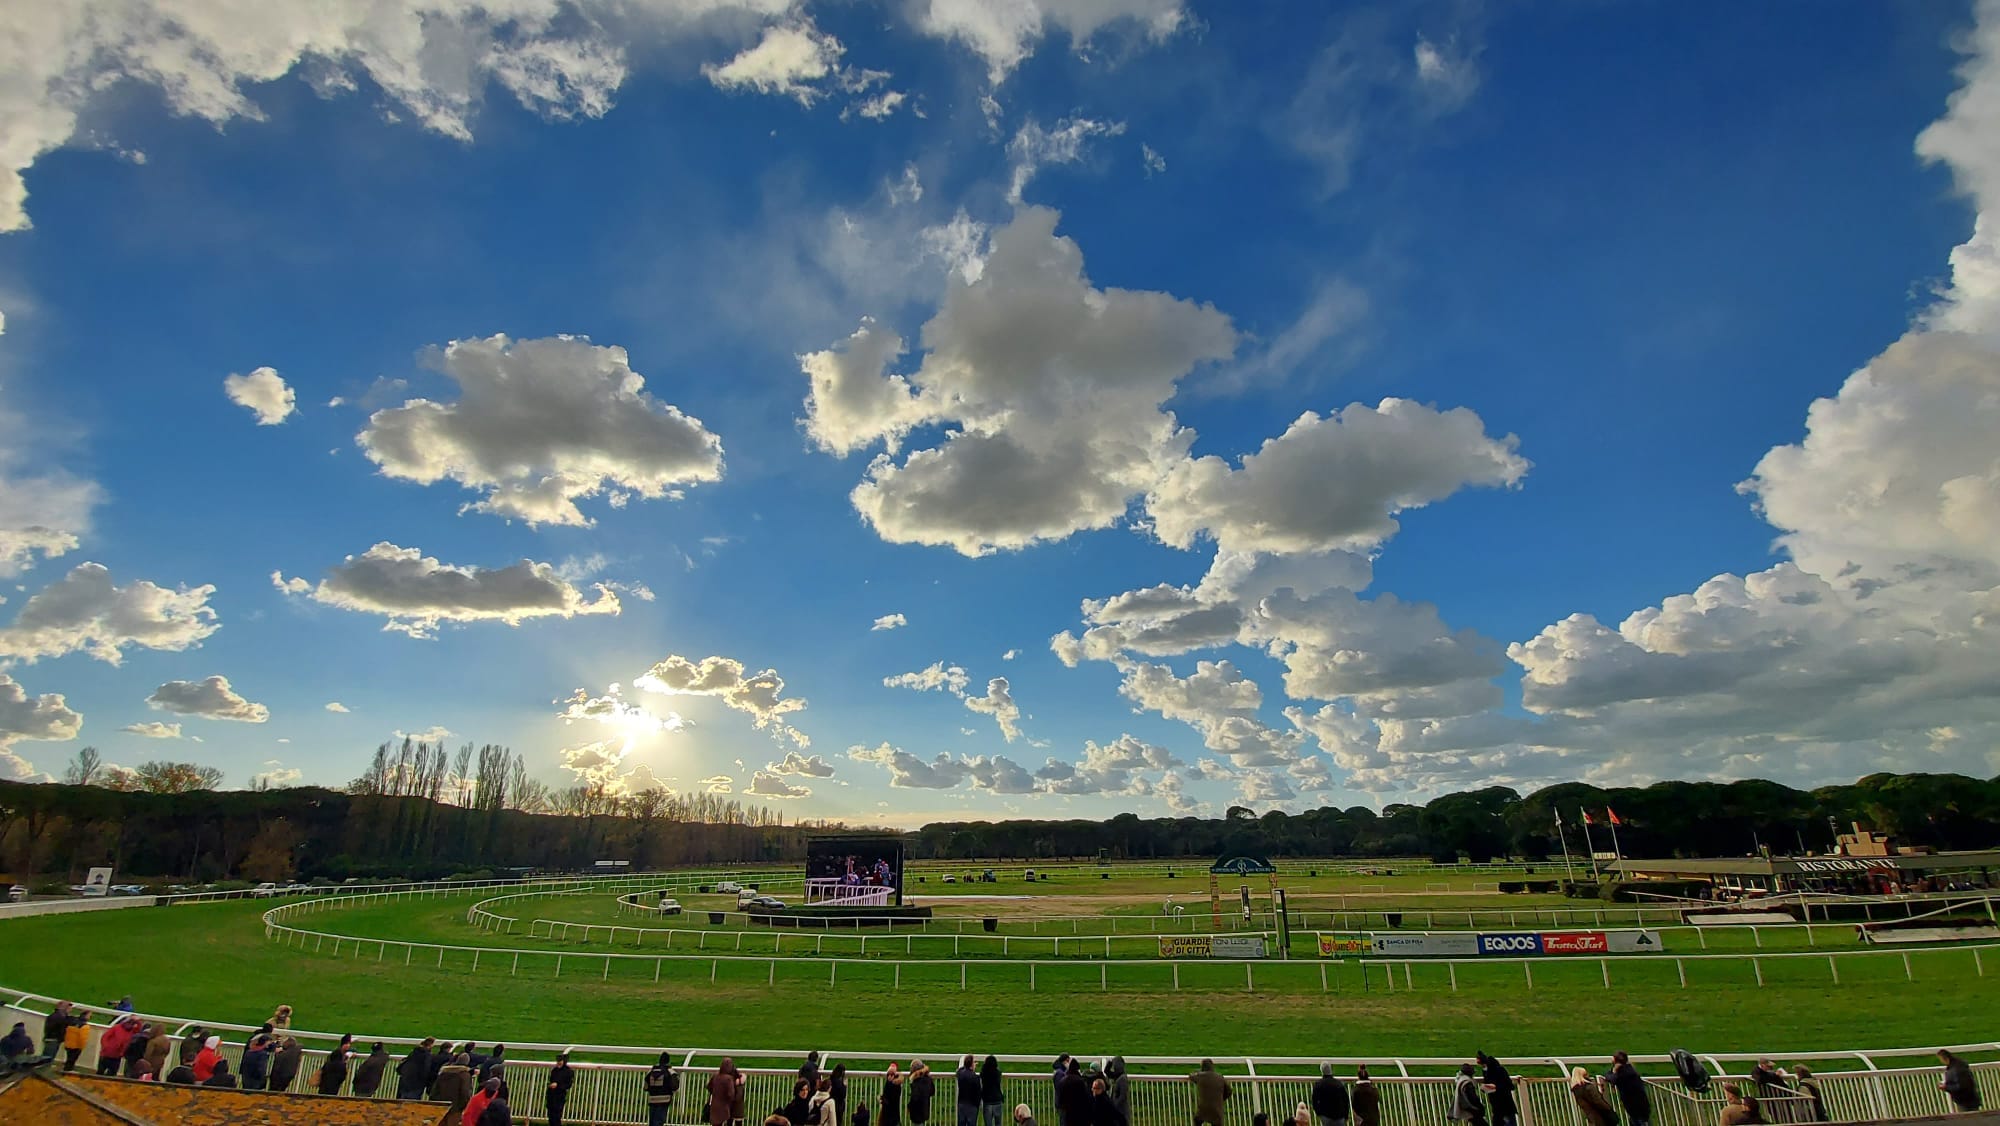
(1211, 1091)
(1958, 1082)
(1590, 1101)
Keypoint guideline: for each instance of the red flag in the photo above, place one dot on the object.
(1613, 815)
(1587, 818)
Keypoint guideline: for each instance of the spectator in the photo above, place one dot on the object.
(1769, 1079)
(1329, 1098)
(661, 1083)
(1260, 1119)
(53, 1027)
(475, 1106)
(257, 1062)
(1466, 1105)
(1809, 1087)
(1103, 1109)
(124, 1004)
(17, 1047)
(1367, 1100)
(1590, 1101)
(809, 1071)
(1211, 1090)
(822, 1109)
(922, 1090)
(837, 1086)
(889, 1108)
(285, 1063)
(368, 1076)
(499, 1112)
(1024, 1115)
(75, 1039)
(495, 1066)
(1119, 1086)
(281, 1020)
(206, 1059)
(333, 1073)
(1499, 1088)
(1958, 1082)
(1059, 1072)
(111, 1046)
(1740, 1109)
(191, 1045)
(144, 1072)
(561, 1078)
(159, 1046)
(990, 1094)
(1302, 1115)
(1631, 1091)
(453, 1085)
(413, 1074)
(135, 1049)
(722, 1093)
(182, 1074)
(968, 1092)
(220, 1077)
(736, 1101)
(1073, 1097)
(799, 1109)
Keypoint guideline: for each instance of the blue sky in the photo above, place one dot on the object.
(982, 306)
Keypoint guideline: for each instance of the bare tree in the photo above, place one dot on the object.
(82, 770)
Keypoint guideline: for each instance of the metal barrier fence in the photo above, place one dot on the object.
(608, 1084)
(276, 926)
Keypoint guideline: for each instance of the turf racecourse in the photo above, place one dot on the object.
(212, 960)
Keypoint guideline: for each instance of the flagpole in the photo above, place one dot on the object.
(1615, 850)
(1568, 873)
(1588, 846)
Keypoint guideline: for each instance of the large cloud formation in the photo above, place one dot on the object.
(417, 593)
(1056, 387)
(212, 698)
(85, 612)
(541, 424)
(433, 62)
(23, 717)
(1874, 641)
(760, 695)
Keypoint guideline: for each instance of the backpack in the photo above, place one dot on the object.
(1693, 1075)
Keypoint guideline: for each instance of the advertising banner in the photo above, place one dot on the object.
(1236, 946)
(1575, 942)
(1185, 946)
(1635, 942)
(1341, 945)
(1461, 945)
(1517, 944)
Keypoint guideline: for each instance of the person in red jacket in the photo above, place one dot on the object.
(111, 1046)
(206, 1059)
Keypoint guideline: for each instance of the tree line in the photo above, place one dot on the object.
(421, 811)
(1667, 819)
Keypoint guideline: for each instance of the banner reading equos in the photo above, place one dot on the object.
(1512, 944)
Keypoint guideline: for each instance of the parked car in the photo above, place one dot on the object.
(950, 879)
(670, 906)
(128, 889)
(17, 893)
(728, 886)
(264, 891)
(769, 902)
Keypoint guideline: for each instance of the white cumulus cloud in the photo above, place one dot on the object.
(23, 717)
(541, 424)
(263, 393)
(417, 593)
(86, 612)
(212, 698)
(761, 695)
(889, 621)
(153, 729)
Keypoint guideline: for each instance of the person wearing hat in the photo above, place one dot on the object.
(557, 1096)
(206, 1059)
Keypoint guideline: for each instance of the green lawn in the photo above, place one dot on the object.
(213, 961)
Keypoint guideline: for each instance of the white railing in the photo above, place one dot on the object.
(853, 895)
(1413, 1090)
(1298, 973)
